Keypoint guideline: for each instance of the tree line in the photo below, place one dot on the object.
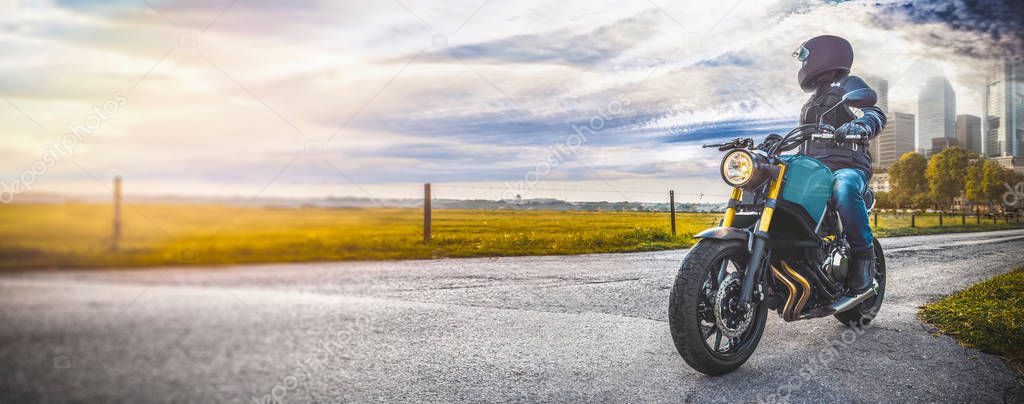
(916, 182)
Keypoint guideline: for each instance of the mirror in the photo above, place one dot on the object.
(860, 98)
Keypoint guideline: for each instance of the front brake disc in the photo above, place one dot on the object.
(731, 323)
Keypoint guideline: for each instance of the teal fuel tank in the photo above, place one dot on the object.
(808, 183)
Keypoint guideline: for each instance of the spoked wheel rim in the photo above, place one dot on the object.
(716, 340)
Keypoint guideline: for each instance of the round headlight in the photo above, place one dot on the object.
(737, 168)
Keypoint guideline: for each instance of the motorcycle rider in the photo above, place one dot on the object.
(825, 72)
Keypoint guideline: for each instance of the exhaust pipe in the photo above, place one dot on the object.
(799, 292)
(786, 308)
(805, 292)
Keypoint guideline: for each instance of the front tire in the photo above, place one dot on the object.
(697, 335)
(865, 312)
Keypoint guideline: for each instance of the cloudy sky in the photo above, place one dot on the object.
(374, 98)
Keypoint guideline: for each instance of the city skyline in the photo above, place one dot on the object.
(991, 137)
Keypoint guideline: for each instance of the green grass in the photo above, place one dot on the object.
(988, 316)
(79, 235)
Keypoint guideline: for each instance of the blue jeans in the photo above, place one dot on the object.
(848, 195)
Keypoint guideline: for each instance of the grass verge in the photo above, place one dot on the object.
(988, 316)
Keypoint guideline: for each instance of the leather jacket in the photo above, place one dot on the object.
(849, 154)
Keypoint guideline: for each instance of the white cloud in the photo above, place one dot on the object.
(534, 68)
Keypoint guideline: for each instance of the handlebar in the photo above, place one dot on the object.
(830, 136)
(792, 139)
(737, 143)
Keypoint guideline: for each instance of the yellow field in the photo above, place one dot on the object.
(79, 235)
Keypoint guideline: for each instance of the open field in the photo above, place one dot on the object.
(79, 235)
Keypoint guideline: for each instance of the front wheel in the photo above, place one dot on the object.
(712, 332)
(865, 312)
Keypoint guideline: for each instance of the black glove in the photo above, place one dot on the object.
(851, 129)
(770, 141)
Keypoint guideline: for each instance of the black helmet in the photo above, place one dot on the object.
(822, 55)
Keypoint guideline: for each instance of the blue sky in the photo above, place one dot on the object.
(373, 98)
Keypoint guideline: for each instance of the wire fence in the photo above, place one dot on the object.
(684, 212)
(621, 192)
(583, 195)
(893, 223)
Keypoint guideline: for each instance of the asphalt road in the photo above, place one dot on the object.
(566, 328)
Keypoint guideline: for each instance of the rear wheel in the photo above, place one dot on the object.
(712, 332)
(865, 312)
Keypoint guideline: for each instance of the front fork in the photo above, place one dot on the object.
(759, 246)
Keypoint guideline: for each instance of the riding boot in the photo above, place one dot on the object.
(860, 284)
(861, 273)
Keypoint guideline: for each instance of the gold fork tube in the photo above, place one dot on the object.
(773, 193)
(730, 212)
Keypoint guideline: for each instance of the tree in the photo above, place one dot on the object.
(908, 181)
(946, 173)
(973, 189)
(883, 200)
(993, 176)
(920, 200)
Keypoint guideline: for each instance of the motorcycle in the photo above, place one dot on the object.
(780, 247)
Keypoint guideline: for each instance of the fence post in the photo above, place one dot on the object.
(672, 209)
(940, 218)
(426, 212)
(876, 219)
(963, 219)
(117, 214)
(977, 214)
(912, 222)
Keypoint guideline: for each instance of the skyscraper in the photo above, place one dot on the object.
(1003, 111)
(881, 87)
(936, 113)
(968, 132)
(896, 139)
(942, 143)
